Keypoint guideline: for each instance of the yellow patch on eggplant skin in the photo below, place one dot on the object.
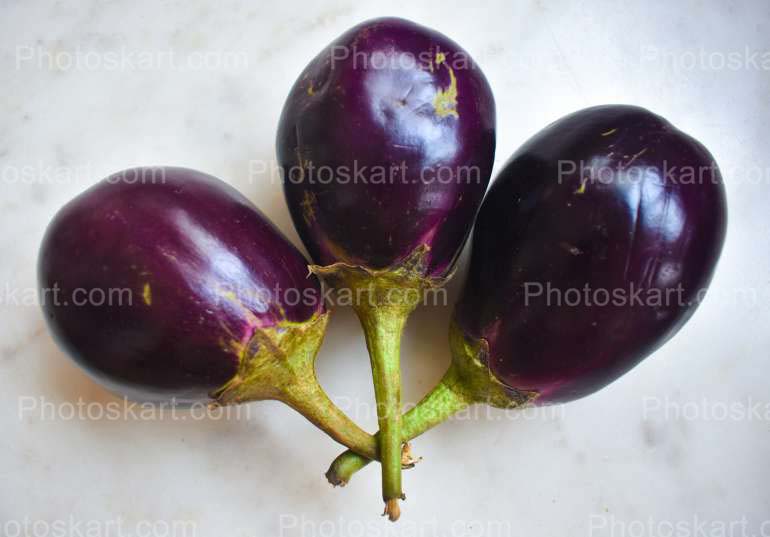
(147, 294)
(445, 101)
(308, 207)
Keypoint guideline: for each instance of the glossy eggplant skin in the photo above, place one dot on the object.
(386, 143)
(177, 269)
(646, 211)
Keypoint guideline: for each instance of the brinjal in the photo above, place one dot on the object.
(166, 284)
(593, 247)
(386, 143)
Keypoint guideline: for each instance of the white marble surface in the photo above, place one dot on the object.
(612, 464)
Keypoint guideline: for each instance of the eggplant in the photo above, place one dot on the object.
(594, 246)
(166, 284)
(635, 222)
(386, 144)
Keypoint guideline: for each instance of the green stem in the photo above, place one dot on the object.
(384, 299)
(279, 363)
(311, 401)
(383, 328)
(467, 381)
(445, 400)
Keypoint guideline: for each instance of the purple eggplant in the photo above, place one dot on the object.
(166, 284)
(593, 247)
(386, 143)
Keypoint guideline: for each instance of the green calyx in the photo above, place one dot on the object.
(383, 299)
(274, 362)
(279, 363)
(398, 288)
(467, 381)
(470, 359)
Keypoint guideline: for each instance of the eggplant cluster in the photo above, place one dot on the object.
(593, 247)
